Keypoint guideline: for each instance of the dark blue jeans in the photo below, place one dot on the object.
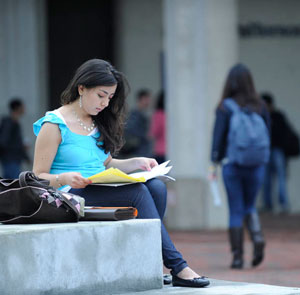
(149, 199)
(276, 167)
(242, 185)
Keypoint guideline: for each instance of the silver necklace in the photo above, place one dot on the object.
(85, 127)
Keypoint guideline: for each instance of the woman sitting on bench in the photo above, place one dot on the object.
(78, 140)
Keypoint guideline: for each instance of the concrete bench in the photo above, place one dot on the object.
(80, 258)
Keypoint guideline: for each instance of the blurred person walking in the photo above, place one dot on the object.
(136, 133)
(241, 143)
(280, 151)
(158, 130)
(12, 148)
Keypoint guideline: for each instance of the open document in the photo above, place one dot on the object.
(115, 177)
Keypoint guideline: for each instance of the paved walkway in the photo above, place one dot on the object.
(208, 253)
(218, 287)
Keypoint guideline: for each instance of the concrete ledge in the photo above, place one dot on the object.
(80, 258)
(218, 287)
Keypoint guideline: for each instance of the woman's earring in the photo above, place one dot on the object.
(80, 101)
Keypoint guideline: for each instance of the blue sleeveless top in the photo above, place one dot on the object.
(76, 153)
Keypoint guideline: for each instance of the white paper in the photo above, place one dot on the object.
(155, 171)
(159, 172)
(215, 193)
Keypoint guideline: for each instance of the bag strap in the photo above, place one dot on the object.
(29, 178)
(7, 182)
(232, 105)
(22, 178)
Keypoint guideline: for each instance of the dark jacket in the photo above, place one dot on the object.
(136, 135)
(221, 129)
(279, 126)
(11, 141)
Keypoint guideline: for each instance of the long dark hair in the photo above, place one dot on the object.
(110, 121)
(239, 86)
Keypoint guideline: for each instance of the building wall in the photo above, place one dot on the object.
(275, 63)
(23, 59)
(138, 46)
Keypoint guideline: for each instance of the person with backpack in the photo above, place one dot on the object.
(241, 143)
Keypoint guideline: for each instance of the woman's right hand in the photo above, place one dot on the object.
(212, 172)
(74, 180)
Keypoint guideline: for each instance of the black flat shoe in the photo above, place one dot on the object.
(193, 283)
(167, 279)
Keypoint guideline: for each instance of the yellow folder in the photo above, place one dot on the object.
(114, 175)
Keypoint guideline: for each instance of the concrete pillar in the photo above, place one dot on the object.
(200, 43)
(23, 58)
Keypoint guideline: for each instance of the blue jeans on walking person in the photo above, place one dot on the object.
(242, 185)
(276, 167)
(150, 199)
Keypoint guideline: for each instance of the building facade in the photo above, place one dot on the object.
(185, 47)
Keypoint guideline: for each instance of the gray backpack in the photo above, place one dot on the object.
(248, 141)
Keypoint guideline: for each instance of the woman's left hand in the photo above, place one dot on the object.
(145, 163)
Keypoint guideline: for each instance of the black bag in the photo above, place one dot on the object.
(30, 199)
